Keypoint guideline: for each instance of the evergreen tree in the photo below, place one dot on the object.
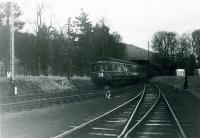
(5, 30)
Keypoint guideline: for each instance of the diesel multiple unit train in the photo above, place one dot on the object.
(114, 72)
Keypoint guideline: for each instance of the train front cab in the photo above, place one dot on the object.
(100, 75)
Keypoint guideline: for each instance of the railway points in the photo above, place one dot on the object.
(52, 121)
(106, 119)
(151, 115)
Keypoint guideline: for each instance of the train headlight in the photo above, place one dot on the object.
(101, 74)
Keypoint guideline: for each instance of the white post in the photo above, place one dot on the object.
(15, 90)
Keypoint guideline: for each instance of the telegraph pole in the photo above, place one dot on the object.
(12, 47)
(13, 89)
(69, 49)
(148, 63)
(148, 51)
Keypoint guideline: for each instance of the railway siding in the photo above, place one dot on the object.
(21, 102)
(151, 106)
(52, 121)
(106, 121)
(156, 112)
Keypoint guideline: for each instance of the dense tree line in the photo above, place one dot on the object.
(5, 28)
(176, 51)
(64, 51)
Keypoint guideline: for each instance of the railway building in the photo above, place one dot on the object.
(180, 72)
(197, 72)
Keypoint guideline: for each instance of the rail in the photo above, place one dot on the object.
(6, 98)
(132, 115)
(174, 116)
(99, 117)
(65, 96)
(142, 119)
(181, 133)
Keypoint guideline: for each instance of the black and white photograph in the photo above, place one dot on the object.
(99, 69)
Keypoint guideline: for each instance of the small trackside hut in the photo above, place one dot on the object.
(197, 72)
(115, 72)
(180, 72)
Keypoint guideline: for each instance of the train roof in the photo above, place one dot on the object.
(112, 60)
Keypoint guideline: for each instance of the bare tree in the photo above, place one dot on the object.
(43, 35)
(196, 44)
(185, 45)
(165, 43)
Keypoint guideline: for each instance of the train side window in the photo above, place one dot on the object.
(119, 67)
(124, 67)
(104, 67)
(135, 68)
(109, 67)
(115, 67)
(128, 68)
(93, 67)
(101, 67)
(131, 68)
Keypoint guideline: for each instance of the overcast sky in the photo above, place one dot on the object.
(135, 20)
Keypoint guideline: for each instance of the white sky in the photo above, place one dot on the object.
(135, 20)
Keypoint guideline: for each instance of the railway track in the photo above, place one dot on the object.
(186, 109)
(158, 122)
(106, 125)
(146, 115)
(21, 102)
